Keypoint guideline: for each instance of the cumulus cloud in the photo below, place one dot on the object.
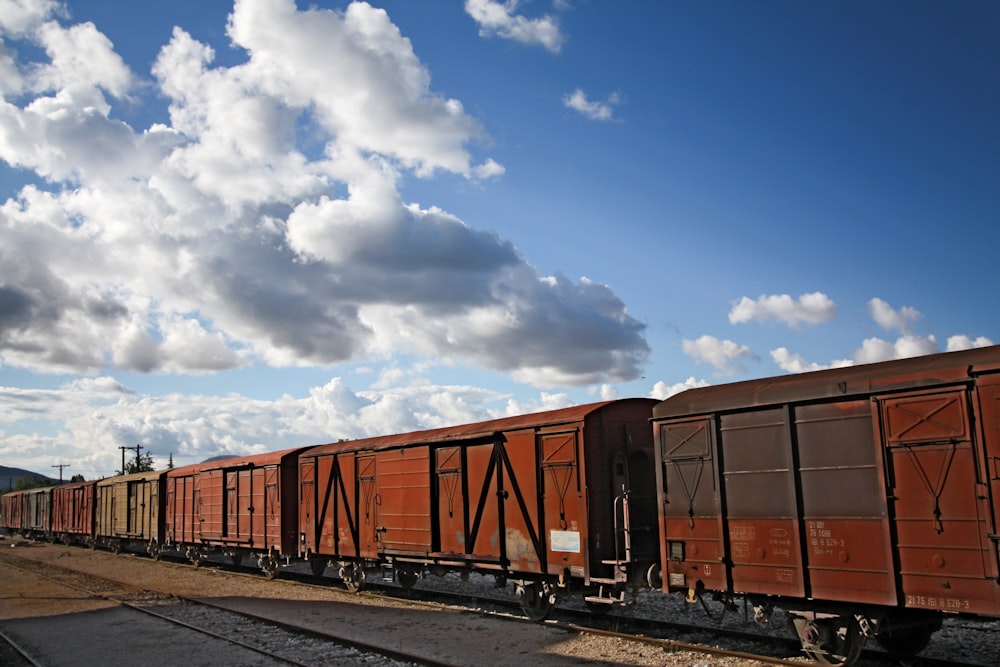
(92, 418)
(891, 319)
(661, 390)
(796, 363)
(263, 223)
(814, 308)
(501, 19)
(874, 349)
(963, 342)
(909, 343)
(719, 353)
(577, 101)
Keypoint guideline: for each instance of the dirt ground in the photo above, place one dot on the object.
(441, 634)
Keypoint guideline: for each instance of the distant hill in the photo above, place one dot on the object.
(221, 457)
(10, 475)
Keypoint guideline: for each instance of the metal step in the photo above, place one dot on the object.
(606, 599)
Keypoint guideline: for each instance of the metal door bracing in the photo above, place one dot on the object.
(488, 503)
(940, 503)
(231, 502)
(309, 531)
(451, 493)
(329, 509)
(368, 506)
(691, 502)
(563, 502)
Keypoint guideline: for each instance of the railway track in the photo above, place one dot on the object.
(666, 636)
(972, 642)
(241, 638)
(706, 636)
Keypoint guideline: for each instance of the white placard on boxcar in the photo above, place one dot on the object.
(565, 540)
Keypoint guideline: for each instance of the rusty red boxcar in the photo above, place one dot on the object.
(241, 507)
(28, 512)
(863, 500)
(546, 499)
(73, 512)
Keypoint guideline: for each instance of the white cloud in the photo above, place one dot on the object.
(719, 353)
(270, 198)
(21, 16)
(499, 18)
(873, 350)
(814, 308)
(661, 390)
(890, 319)
(80, 58)
(92, 418)
(577, 100)
(796, 363)
(963, 342)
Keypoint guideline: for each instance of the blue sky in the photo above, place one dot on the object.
(234, 228)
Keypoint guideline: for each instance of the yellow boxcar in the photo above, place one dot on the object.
(130, 512)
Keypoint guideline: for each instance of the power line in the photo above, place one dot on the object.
(137, 448)
(61, 466)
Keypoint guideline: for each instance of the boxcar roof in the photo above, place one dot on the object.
(136, 476)
(912, 373)
(253, 460)
(73, 485)
(478, 430)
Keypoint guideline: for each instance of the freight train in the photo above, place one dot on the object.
(860, 501)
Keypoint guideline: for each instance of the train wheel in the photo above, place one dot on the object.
(908, 639)
(353, 575)
(830, 641)
(268, 565)
(195, 556)
(407, 577)
(536, 600)
(154, 550)
(318, 565)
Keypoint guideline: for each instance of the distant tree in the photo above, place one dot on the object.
(77, 478)
(27, 482)
(143, 463)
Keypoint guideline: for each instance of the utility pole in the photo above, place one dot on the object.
(61, 466)
(137, 449)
